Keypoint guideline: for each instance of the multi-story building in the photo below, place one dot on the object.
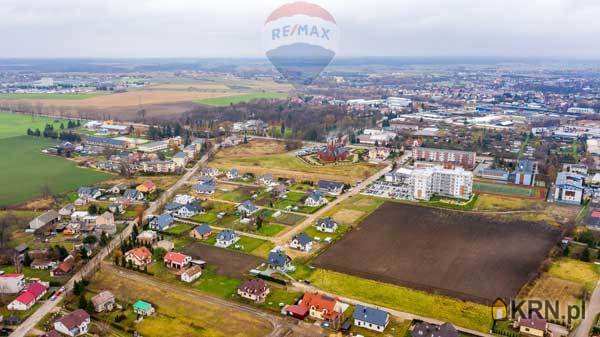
(424, 183)
(569, 188)
(465, 159)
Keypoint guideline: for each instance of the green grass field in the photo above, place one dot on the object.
(25, 170)
(13, 125)
(228, 100)
(465, 314)
(49, 96)
(510, 190)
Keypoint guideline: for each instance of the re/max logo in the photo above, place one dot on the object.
(300, 30)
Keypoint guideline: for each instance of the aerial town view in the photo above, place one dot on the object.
(296, 169)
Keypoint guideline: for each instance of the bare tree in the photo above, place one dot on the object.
(7, 221)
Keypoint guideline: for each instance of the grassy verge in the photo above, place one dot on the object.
(465, 314)
(580, 272)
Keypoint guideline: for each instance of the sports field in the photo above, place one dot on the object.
(25, 171)
(512, 190)
(227, 100)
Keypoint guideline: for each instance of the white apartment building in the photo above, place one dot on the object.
(424, 183)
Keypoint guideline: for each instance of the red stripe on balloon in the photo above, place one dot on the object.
(299, 8)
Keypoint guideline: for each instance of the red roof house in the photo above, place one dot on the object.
(177, 260)
(139, 257)
(29, 297)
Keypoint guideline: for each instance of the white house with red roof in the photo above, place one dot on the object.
(29, 297)
(11, 283)
(139, 257)
(73, 324)
(177, 260)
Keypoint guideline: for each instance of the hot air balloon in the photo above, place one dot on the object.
(300, 40)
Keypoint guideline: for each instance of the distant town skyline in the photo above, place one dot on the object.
(232, 28)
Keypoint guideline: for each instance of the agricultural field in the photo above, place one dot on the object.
(228, 100)
(41, 96)
(26, 171)
(229, 263)
(433, 250)
(261, 157)
(180, 312)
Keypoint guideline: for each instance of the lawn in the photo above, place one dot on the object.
(180, 229)
(464, 314)
(279, 296)
(179, 314)
(235, 99)
(25, 171)
(491, 202)
(247, 244)
(13, 125)
(586, 274)
(270, 229)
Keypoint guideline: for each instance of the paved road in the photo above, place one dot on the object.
(312, 218)
(593, 308)
(92, 266)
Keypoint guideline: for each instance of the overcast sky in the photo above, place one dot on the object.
(232, 28)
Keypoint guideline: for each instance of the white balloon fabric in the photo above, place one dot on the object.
(300, 39)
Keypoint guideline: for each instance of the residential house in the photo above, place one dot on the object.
(181, 159)
(315, 199)
(247, 208)
(116, 208)
(322, 307)
(147, 237)
(226, 238)
(64, 268)
(301, 242)
(139, 257)
(267, 179)
(143, 308)
(146, 187)
(105, 223)
(255, 290)
(118, 189)
(156, 146)
(43, 264)
(172, 207)
(326, 225)
(206, 188)
(104, 301)
(210, 172)
(191, 274)
(189, 210)
(378, 154)
(233, 174)
(330, 187)
(73, 324)
(424, 329)
(177, 260)
(183, 199)
(370, 318)
(88, 193)
(159, 166)
(11, 283)
(162, 222)
(279, 260)
(67, 210)
(533, 326)
(132, 195)
(201, 232)
(48, 218)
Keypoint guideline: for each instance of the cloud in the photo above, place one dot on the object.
(231, 28)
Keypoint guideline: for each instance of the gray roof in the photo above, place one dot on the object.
(315, 195)
(204, 187)
(48, 216)
(329, 185)
(107, 141)
(172, 206)
(370, 315)
(303, 239)
(203, 229)
(194, 207)
(326, 222)
(278, 258)
(226, 235)
(525, 166)
(248, 205)
(432, 330)
(162, 221)
(131, 194)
